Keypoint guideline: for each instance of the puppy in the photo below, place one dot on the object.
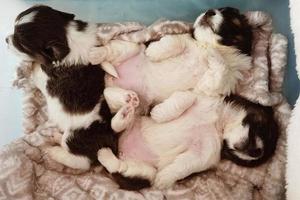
(193, 141)
(207, 63)
(73, 88)
(186, 117)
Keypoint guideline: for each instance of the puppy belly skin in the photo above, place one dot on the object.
(132, 146)
(130, 75)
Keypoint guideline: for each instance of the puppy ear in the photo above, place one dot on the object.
(55, 51)
(67, 16)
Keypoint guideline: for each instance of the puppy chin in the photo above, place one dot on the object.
(206, 35)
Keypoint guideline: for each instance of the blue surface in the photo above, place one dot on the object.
(145, 11)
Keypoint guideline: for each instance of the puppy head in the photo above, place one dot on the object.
(250, 140)
(226, 26)
(40, 34)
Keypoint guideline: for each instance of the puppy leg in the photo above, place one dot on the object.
(173, 107)
(184, 165)
(115, 52)
(167, 47)
(118, 97)
(126, 168)
(68, 159)
(123, 118)
(214, 82)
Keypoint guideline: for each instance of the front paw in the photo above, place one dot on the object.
(108, 160)
(56, 137)
(123, 118)
(97, 55)
(158, 115)
(164, 179)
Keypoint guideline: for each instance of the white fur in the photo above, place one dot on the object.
(235, 132)
(80, 42)
(173, 107)
(63, 156)
(205, 33)
(206, 67)
(180, 151)
(128, 168)
(26, 18)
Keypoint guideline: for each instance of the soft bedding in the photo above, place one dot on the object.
(27, 171)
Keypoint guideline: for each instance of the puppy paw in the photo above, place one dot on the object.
(97, 55)
(123, 118)
(53, 152)
(132, 99)
(164, 179)
(159, 115)
(108, 160)
(56, 137)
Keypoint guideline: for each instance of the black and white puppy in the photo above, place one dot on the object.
(227, 26)
(58, 46)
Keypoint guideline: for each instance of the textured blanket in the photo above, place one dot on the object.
(26, 171)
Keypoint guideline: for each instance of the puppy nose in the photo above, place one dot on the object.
(6, 39)
(256, 152)
(210, 13)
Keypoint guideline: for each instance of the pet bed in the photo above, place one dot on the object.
(26, 171)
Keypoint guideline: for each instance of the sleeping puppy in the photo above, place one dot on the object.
(73, 88)
(207, 63)
(193, 141)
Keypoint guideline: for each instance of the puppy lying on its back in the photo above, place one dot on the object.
(212, 64)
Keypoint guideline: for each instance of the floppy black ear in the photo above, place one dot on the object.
(55, 51)
(68, 16)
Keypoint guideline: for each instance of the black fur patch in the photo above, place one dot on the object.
(78, 88)
(81, 25)
(235, 30)
(131, 183)
(262, 124)
(45, 37)
(87, 142)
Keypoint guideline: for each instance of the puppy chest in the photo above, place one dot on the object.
(130, 75)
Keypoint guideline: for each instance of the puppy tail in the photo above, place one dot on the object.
(131, 183)
(129, 174)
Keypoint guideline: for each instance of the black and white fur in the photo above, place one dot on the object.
(58, 46)
(249, 130)
(67, 45)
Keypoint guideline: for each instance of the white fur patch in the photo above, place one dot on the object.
(26, 18)
(80, 43)
(66, 158)
(217, 20)
(235, 132)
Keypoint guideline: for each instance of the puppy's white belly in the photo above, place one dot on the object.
(180, 132)
(156, 142)
(156, 81)
(180, 73)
